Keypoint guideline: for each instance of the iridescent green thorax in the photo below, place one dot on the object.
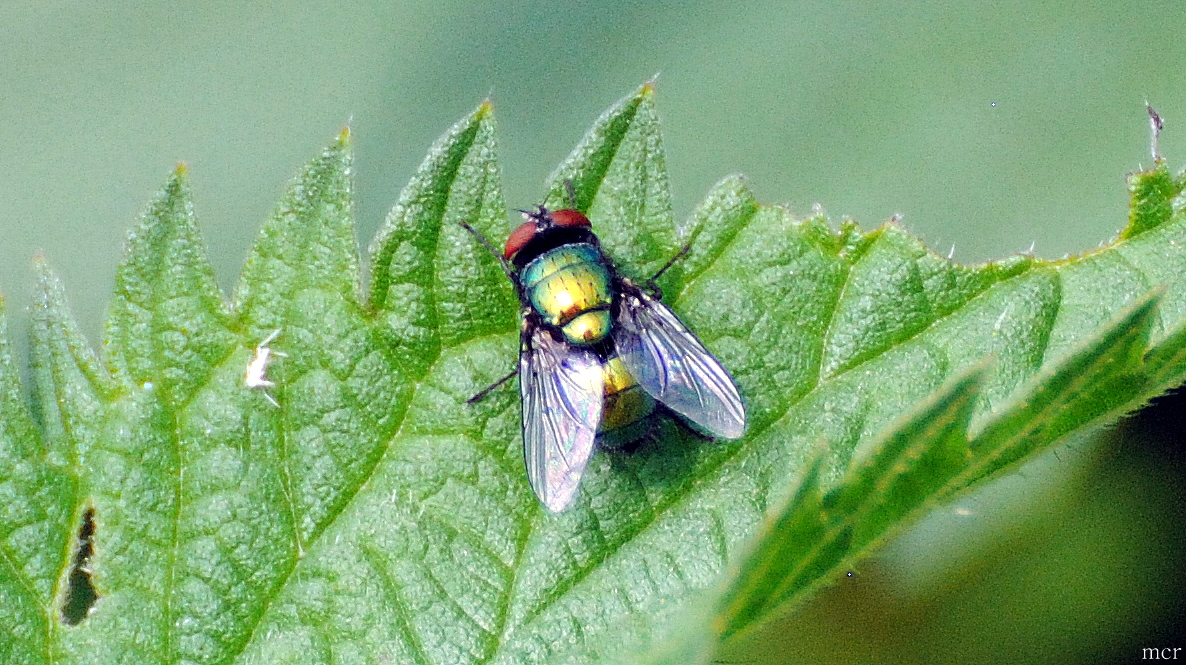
(569, 287)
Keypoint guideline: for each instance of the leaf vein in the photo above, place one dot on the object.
(402, 614)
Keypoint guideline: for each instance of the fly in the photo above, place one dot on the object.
(597, 352)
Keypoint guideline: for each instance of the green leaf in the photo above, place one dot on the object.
(426, 270)
(340, 391)
(1152, 200)
(297, 476)
(37, 498)
(168, 325)
(923, 460)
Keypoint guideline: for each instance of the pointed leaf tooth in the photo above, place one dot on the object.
(37, 496)
(894, 290)
(1152, 199)
(71, 384)
(711, 227)
(762, 307)
(340, 393)
(308, 243)
(16, 422)
(417, 303)
(473, 296)
(126, 462)
(167, 323)
(586, 166)
(619, 175)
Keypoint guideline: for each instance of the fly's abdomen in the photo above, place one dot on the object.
(570, 288)
(626, 403)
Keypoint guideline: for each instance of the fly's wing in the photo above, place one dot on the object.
(674, 367)
(562, 391)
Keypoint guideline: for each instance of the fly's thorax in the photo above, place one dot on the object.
(569, 287)
(626, 403)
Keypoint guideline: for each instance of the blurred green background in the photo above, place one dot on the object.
(991, 127)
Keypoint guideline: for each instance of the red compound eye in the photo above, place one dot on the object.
(566, 218)
(520, 237)
(569, 217)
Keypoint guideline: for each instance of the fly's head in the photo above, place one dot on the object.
(541, 225)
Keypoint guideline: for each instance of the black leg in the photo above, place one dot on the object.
(486, 391)
(652, 283)
(486, 243)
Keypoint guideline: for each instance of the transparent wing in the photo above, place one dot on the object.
(674, 367)
(562, 391)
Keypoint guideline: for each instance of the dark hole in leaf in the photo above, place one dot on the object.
(80, 591)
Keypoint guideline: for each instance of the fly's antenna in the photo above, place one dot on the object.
(539, 216)
(486, 243)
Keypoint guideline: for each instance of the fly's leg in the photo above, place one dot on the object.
(652, 284)
(506, 268)
(528, 325)
(510, 273)
(487, 390)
